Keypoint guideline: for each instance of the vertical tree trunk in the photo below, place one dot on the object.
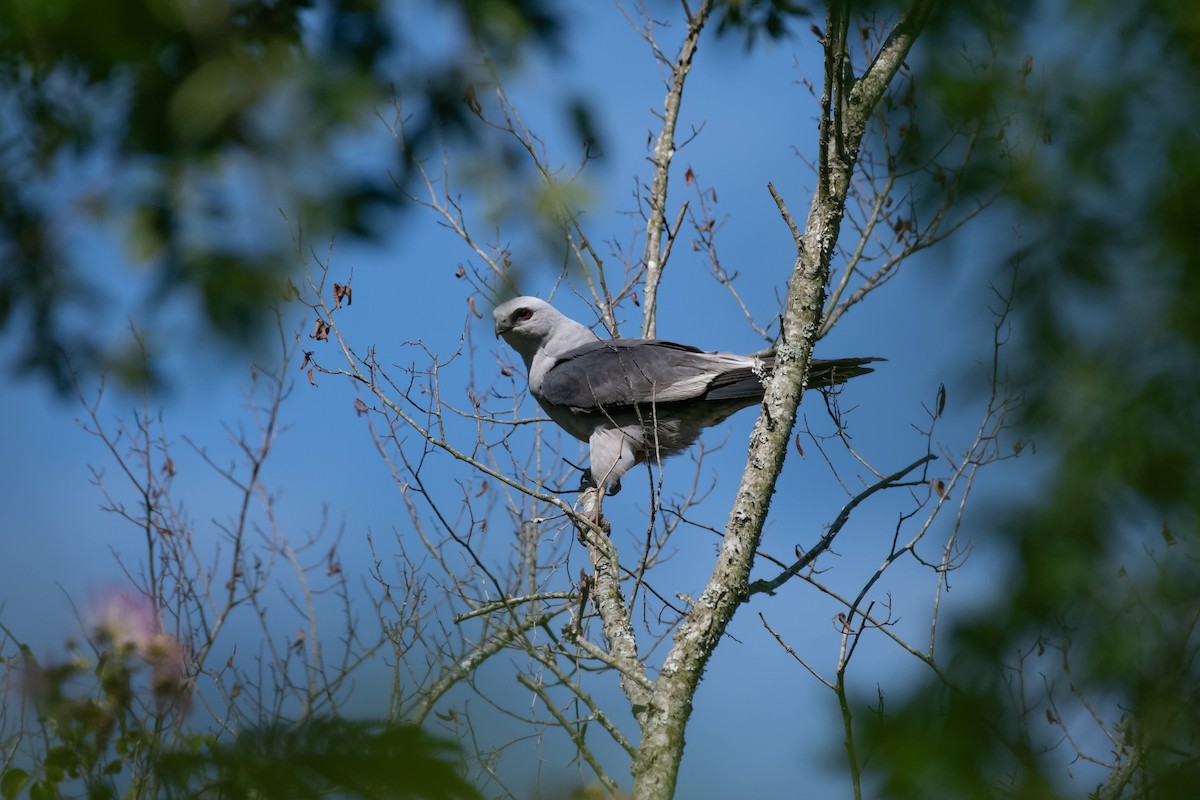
(846, 107)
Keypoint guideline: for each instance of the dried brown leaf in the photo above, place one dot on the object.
(472, 101)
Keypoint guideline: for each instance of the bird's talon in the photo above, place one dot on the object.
(586, 481)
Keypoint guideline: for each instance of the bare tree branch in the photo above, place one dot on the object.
(655, 255)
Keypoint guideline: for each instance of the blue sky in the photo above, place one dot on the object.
(757, 708)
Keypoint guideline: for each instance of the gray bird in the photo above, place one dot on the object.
(634, 400)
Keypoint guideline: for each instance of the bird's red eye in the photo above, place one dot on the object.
(524, 314)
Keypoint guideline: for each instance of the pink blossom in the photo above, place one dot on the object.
(127, 620)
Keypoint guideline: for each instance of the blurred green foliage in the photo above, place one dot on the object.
(97, 725)
(97, 731)
(138, 114)
(771, 19)
(1093, 649)
(320, 758)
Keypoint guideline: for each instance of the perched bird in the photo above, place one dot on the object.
(634, 400)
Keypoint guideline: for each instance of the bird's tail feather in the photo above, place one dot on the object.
(835, 371)
(745, 382)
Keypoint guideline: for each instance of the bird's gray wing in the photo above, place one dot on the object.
(625, 372)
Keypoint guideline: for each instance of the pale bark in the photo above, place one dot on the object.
(846, 107)
(655, 256)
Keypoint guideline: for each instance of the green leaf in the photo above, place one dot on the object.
(62, 758)
(43, 790)
(12, 782)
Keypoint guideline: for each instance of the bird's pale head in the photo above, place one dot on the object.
(537, 331)
(525, 322)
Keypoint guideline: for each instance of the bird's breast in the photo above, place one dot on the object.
(577, 424)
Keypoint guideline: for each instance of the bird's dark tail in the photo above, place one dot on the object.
(835, 371)
(746, 384)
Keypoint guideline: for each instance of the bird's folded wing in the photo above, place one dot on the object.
(626, 372)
